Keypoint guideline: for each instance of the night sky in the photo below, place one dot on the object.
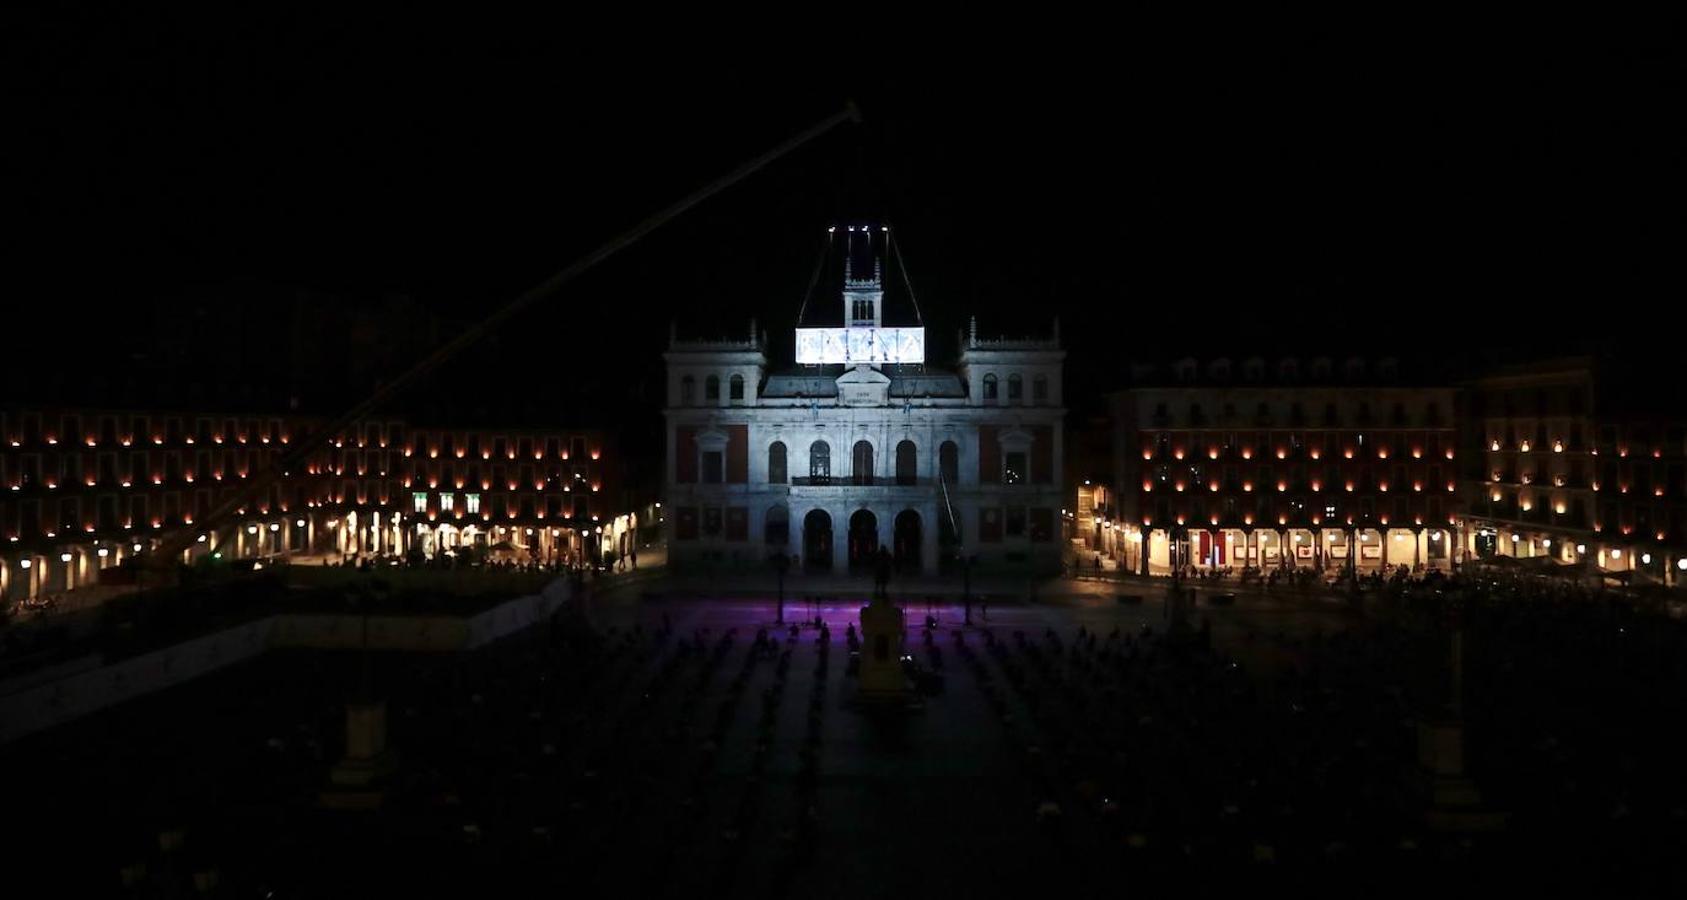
(1312, 192)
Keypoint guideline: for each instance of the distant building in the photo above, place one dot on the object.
(1288, 463)
(862, 446)
(82, 490)
(1568, 467)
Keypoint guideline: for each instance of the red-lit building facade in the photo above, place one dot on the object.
(81, 490)
(1286, 463)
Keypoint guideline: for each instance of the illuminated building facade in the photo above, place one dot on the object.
(1286, 463)
(82, 490)
(863, 446)
(1569, 469)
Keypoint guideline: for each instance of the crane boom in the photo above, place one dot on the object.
(180, 538)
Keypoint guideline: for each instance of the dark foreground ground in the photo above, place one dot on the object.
(669, 756)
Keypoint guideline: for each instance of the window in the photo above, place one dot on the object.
(1016, 521)
(819, 463)
(777, 526)
(949, 462)
(906, 463)
(776, 463)
(1042, 525)
(711, 389)
(711, 520)
(419, 502)
(1040, 389)
(1013, 472)
(735, 388)
(447, 501)
(687, 393)
(713, 466)
(577, 448)
(990, 389)
(1016, 388)
(861, 468)
(473, 504)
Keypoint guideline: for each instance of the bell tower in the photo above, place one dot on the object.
(863, 297)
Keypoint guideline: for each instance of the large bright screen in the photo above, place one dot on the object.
(823, 346)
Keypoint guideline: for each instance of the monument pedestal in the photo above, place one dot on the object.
(1454, 803)
(357, 781)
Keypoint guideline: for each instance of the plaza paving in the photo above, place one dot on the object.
(666, 759)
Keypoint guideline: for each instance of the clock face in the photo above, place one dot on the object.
(871, 345)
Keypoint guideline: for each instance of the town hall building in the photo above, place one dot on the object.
(861, 446)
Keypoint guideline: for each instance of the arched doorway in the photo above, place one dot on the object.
(863, 539)
(907, 471)
(949, 463)
(906, 540)
(862, 463)
(817, 541)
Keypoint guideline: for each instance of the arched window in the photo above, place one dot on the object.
(819, 463)
(949, 463)
(711, 388)
(687, 391)
(1016, 388)
(735, 388)
(907, 465)
(1040, 389)
(776, 463)
(861, 467)
(990, 388)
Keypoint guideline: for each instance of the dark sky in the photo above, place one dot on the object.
(1184, 193)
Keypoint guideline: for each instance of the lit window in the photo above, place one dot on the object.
(419, 501)
(473, 503)
(447, 501)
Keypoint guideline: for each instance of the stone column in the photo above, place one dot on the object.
(840, 538)
(928, 537)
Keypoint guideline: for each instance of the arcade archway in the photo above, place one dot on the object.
(906, 541)
(863, 539)
(817, 541)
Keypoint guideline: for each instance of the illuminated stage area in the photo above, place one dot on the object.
(865, 453)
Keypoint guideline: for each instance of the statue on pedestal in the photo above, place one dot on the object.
(883, 628)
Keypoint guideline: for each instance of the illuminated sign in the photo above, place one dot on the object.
(873, 346)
